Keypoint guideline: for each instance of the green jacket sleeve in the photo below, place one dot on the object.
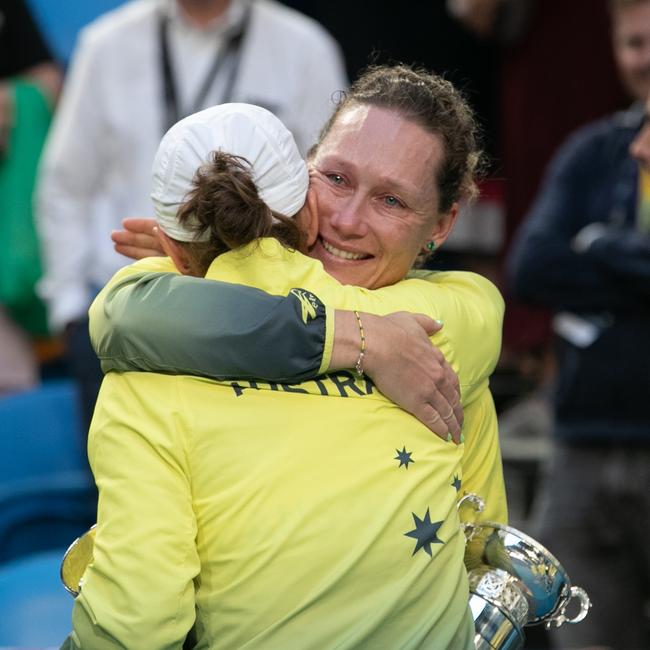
(165, 322)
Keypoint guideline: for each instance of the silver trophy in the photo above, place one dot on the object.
(514, 581)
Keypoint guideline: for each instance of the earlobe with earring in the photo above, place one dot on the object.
(431, 246)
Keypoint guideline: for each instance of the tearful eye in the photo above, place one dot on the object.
(392, 202)
(337, 179)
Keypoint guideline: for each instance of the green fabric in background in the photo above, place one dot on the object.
(20, 266)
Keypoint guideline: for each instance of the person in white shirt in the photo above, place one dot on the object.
(136, 71)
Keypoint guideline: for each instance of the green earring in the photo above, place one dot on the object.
(431, 246)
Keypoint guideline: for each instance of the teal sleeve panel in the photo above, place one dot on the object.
(168, 323)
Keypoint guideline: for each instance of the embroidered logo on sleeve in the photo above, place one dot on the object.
(308, 304)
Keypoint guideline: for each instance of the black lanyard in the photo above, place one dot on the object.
(231, 50)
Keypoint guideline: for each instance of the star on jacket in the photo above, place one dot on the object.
(404, 457)
(425, 532)
(456, 483)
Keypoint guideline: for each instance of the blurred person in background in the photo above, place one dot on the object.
(584, 251)
(136, 71)
(29, 85)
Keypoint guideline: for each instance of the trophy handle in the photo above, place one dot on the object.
(477, 504)
(474, 500)
(561, 618)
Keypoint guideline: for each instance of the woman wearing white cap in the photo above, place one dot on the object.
(278, 516)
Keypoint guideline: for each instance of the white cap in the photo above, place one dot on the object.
(251, 132)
